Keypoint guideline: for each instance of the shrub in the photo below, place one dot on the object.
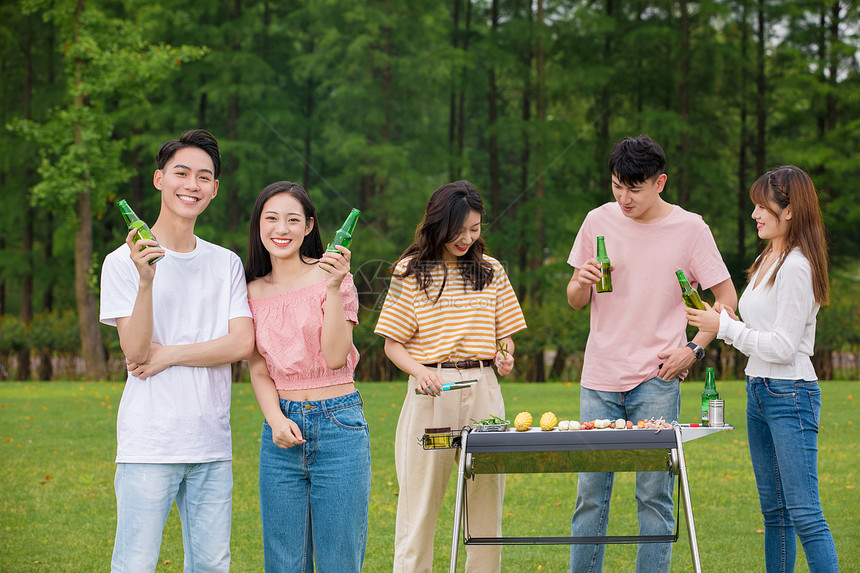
(13, 338)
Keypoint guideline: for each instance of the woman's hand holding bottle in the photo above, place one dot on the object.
(336, 264)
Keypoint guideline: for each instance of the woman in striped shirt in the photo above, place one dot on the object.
(449, 316)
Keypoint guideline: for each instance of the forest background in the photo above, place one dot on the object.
(375, 103)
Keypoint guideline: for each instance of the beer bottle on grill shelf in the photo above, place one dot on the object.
(134, 222)
(343, 236)
(708, 394)
(688, 293)
(605, 282)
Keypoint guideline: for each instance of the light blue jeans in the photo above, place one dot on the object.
(653, 398)
(144, 495)
(314, 497)
(782, 427)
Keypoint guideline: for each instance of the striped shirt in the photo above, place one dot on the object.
(463, 324)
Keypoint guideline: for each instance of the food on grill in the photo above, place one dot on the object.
(491, 421)
(548, 421)
(652, 424)
(523, 421)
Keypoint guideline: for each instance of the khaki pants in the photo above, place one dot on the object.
(423, 474)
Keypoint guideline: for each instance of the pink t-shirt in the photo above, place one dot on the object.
(644, 314)
(288, 327)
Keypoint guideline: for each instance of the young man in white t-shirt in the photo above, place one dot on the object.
(637, 351)
(181, 322)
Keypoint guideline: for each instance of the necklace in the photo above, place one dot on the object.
(277, 285)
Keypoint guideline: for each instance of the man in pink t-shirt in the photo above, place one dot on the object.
(637, 351)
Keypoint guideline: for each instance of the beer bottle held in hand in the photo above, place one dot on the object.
(688, 293)
(134, 222)
(343, 236)
(605, 282)
(708, 394)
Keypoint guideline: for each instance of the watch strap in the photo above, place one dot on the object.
(697, 350)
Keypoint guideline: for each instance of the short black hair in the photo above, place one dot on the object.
(636, 159)
(199, 138)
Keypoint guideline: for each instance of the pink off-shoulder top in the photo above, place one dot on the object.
(288, 327)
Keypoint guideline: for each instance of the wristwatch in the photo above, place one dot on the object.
(697, 350)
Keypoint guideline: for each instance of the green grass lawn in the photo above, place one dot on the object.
(57, 507)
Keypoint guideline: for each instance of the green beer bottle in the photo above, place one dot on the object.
(134, 222)
(709, 393)
(343, 237)
(605, 282)
(688, 293)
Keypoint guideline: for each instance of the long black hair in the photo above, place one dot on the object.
(446, 210)
(259, 263)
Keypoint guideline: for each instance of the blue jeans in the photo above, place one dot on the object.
(782, 427)
(314, 497)
(653, 398)
(144, 493)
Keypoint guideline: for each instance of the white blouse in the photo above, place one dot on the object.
(778, 328)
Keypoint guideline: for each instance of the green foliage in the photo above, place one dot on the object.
(13, 335)
(109, 65)
(374, 106)
(56, 332)
(838, 325)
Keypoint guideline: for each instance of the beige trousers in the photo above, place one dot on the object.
(423, 474)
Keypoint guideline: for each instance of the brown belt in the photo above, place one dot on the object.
(462, 364)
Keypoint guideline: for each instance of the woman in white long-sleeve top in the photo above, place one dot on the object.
(787, 285)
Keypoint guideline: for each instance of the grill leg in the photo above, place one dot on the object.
(685, 498)
(458, 502)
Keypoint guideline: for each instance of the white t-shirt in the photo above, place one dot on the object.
(778, 328)
(181, 414)
(644, 314)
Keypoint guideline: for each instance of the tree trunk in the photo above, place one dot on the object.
(821, 74)
(761, 94)
(310, 91)
(684, 109)
(540, 181)
(822, 361)
(385, 80)
(233, 112)
(202, 108)
(26, 290)
(493, 107)
(559, 362)
(604, 179)
(138, 183)
(95, 361)
(742, 214)
(831, 112)
(525, 152)
(461, 104)
(46, 366)
(309, 110)
(27, 246)
(536, 257)
(453, 166)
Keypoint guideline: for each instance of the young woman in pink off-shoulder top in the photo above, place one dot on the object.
(315, 446)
